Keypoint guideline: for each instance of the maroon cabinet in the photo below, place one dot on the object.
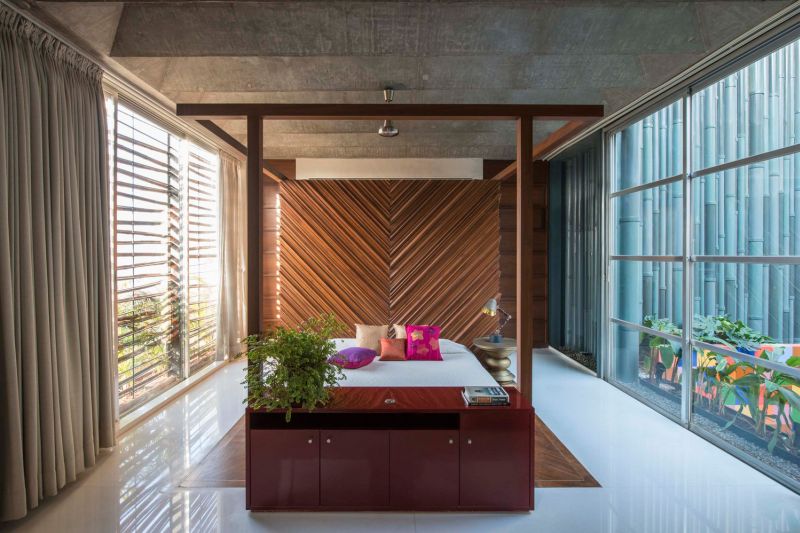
(424, 468)
(354, 468)
(284, 468)
(496, 460)
(404, 448)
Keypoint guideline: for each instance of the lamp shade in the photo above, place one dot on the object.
(490, 307)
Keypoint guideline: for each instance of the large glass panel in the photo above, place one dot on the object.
(649, 366)
(648, 293)
(749, 112)
(649, 222)
(747, 305)
(750, 407)
(650, 149)
(202, 264)
(748, 210)
(147, 193)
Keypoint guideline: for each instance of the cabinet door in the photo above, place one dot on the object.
(354, 468)
(496, 458)
(424, 469)
(284, 468)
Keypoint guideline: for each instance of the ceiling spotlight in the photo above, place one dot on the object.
(388, 129)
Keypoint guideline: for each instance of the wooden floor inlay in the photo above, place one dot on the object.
(555, 466)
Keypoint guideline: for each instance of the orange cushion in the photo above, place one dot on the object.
(393, 349)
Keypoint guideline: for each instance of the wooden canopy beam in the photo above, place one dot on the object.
(393, 111)
(231, 141)
(255, 216)
(527, 170)
(562, 134)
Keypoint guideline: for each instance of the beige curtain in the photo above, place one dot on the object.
(231, 317)
(56, 374)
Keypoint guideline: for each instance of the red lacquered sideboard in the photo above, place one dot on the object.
(407, 448)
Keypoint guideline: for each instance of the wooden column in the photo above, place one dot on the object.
(255, 143)
(525, 225)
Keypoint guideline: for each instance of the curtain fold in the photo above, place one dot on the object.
(232, 307)
(56, 317)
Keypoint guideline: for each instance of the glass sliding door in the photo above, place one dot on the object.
(705, 262)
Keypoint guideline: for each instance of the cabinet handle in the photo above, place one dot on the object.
(327, 441)
(469, 441)
(450, 441)
(311, 441)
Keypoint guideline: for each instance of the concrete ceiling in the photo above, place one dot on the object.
(584, 52)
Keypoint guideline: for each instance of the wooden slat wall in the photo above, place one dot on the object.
(508, 265)
(334, 254)
(445, 255)
(269, 301)
(382, 251)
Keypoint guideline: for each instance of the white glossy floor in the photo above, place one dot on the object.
(650, 482)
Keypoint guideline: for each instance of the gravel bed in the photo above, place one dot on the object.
(653, 398)
(583, 358)
(760, 453)
(789, 467)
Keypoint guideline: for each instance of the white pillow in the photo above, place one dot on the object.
(399, 331)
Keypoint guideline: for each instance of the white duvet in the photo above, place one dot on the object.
(460, 368)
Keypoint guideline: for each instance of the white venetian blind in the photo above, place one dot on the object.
(147, 188)
(202, 268)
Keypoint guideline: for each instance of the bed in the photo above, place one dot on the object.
(459, 368)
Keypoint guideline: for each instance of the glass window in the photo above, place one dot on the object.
(750, 407)
(749, 112)
(745, 311)
(147, 194)
(649, 150)
(647, 290)
(202, 266)
(749, 210)
(745, 306)
(649, 366)
(165, 241)
(649, 222)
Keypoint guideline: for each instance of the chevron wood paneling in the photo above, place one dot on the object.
(380, 252)
(444, 259)
(334, 251)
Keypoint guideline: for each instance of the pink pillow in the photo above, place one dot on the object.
(423, 343)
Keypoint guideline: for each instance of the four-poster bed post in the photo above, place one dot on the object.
(482, 455)
(525, 224)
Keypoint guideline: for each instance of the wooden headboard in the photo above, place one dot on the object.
(382, 252)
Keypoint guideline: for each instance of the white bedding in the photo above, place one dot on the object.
(460, 368)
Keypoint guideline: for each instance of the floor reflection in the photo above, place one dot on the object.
(656, 476)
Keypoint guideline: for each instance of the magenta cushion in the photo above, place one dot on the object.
(422, 343)
(353, 357)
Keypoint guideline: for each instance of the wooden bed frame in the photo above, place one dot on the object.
(419, 420)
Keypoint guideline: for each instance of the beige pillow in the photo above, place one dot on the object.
(399, 331)
(370, 336)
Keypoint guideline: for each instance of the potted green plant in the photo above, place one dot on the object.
(669, 352)
(288, 367)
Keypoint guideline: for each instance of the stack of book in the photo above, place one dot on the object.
(485, 396)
